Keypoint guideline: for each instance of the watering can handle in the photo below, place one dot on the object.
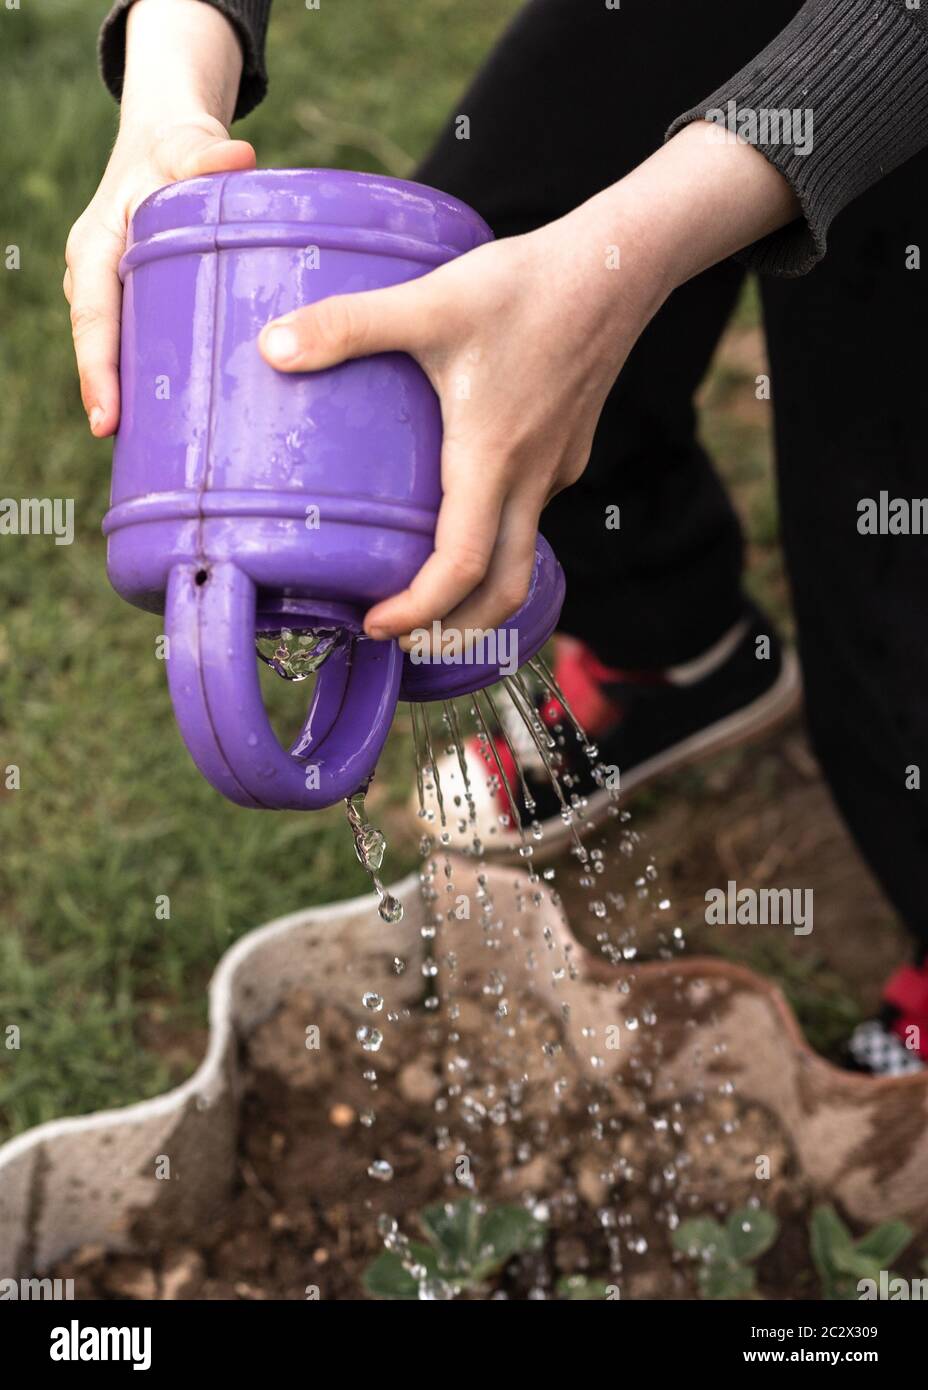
(216, 693)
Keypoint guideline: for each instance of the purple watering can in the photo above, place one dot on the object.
(245, 501)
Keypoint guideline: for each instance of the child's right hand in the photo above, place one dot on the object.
(183, 64)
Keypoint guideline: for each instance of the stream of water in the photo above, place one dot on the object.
(497, 955)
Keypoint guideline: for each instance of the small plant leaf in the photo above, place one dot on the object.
(884, 1243)
(503, 1232)
(831, 1246)
(829, 1230)
(842, 1262)
(452, 1228)
(854, 1265)
(577, 1286)
(388, 1277)
(726, 1281)
(750, 1232)
(467, 1245)
(704, 1237)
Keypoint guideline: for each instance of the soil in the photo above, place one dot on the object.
(612, 1171)
(303, 1217)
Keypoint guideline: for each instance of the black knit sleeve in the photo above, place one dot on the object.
(852, 75)
(249, 18)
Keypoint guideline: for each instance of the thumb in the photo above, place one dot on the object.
(203, 146)
(214, 155)
(344, 326)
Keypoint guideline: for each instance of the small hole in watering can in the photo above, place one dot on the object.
(201, 576)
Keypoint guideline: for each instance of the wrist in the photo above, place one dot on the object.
(704, 196)
(183, 61)
(618, 271)
(696, 201)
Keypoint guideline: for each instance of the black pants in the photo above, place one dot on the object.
(573, 97)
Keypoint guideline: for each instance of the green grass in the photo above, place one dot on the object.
(824, 1006)
(111, 813)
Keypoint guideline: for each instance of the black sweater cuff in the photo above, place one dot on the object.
(858, 70)
(248, 18)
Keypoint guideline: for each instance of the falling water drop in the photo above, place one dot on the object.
(370, 846)
(371, 1039)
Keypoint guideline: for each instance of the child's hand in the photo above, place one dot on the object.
(183, 65)
(141, 162)
(521, 339)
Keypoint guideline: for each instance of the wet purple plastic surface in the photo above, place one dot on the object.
(238, 490)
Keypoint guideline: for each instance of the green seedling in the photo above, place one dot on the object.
(725, 1252)
(842, 1262)
(466, 1243)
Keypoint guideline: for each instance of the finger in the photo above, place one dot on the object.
(95, 296)
(345, 326)
(505, 585)
(465, 535)
(214, 156)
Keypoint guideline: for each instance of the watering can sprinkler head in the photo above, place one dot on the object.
(246, 502)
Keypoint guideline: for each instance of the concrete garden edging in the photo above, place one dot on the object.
(860, 1142)
(83, 1180)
